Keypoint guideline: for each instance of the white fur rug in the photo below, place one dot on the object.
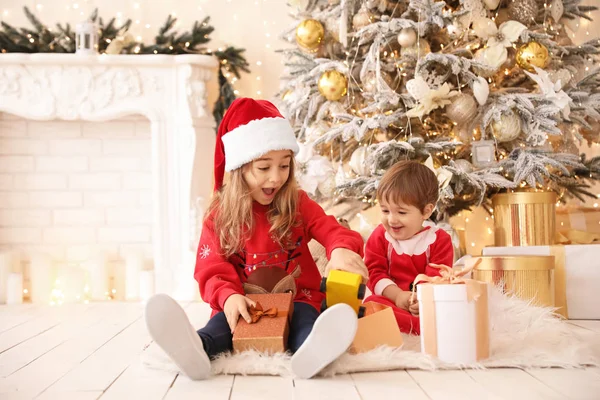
(522, 336)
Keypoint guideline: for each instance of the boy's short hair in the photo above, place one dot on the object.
(409, 182)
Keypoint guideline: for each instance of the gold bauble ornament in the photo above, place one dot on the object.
(507, 128)
(462, 108)
(333, 85)
(532, 54)
(523, 11)
(310, 34)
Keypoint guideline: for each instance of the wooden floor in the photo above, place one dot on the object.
(92, 351)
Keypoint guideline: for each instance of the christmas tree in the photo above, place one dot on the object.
(492, 95)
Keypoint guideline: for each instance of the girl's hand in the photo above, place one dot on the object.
(347, 260)
(237, 305)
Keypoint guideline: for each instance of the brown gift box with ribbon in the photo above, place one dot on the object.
(454, 316)
(378, 327)
(269, 329)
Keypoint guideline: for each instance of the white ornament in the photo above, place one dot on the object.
(340, 176)
(557, 10)
(481, 90)
(464, 165)
(357, 161)
(462, 108)
(491, 4)
(327, 187)
(507, 128)
(407, 37)
(484, 153)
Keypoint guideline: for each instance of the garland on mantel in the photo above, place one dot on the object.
(115, 39)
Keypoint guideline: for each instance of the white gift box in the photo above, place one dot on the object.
(576, 275)
(454, 321)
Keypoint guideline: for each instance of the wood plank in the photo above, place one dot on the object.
(512, 383)
(580, 384)
(50, 318)
(15, 315)
(388, 385)
(336, 388)
(215, 388)
(261, 388)
(23, 353)
(449, 385)
(143, 382)
(70, 396)
(102, 367)
(44, 371)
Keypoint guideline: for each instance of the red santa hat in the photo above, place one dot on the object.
(250, 129)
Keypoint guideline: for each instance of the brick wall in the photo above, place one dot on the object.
(73, 188)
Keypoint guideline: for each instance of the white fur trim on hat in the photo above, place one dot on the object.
(248, 142)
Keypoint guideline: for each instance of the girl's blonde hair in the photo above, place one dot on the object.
(233, 216)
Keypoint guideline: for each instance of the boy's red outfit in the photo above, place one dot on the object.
(219, 277)
(398, 262)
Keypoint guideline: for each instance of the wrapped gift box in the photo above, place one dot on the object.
(378, 327)
(269, 334)
(585, 219)
(576, 276)
(454, 321)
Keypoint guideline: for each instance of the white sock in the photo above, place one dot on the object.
(330, 337)
(170, 328)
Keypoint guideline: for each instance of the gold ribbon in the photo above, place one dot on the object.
(560, 280)
(573, 236)
(475, 291)
(257, 312)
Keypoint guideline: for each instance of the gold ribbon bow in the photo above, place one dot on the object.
(573, 236)
(257, 312)
(448, 276)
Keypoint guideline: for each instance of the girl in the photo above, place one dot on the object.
(260, 222)
(400, 248)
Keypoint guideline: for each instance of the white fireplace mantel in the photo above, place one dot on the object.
(171, 92)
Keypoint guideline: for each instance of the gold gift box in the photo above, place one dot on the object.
(527, 277)
(525, 218)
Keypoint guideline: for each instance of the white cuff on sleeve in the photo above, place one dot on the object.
(381, 285)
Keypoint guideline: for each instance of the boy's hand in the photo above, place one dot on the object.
(347, 260)
(413, 307)
(237, 305)
(403, 300)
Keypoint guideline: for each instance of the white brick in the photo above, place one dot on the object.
(14, 200)
(109, 130)
(126, 147)
(69, 235)
(25, 218)
(69, 147)
(137, 180)
(23, 147)
(6, 182)
(16, 163)
(84, 252)
(34, 182)
(124, 235)
(102, 164)
(96, 181)
(54, 129)
(20, 235)
(61, 164)
(79, 217)
(145, 250)
(129, 216)
(111, 199)
(56, 199)
(52, 250)
(13, 128)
